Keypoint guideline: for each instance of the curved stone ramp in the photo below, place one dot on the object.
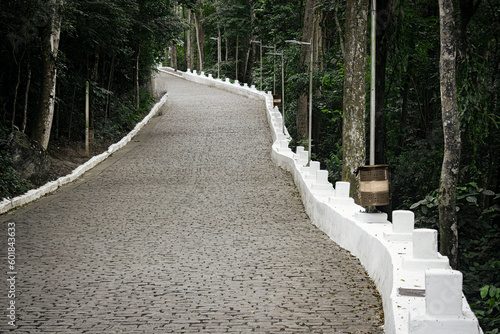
(190, 228)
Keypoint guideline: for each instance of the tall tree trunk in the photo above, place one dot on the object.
(219, 50)
(353, 130)
(307, 36)
(448, 226)
(189, 42)
(339, 29)
(173, 55)
(405, 93)
(50, 47)
(26, 96)
(227, 48)
(247, 59)
(71, 114)
(317, 66)
(200, 38)
(18, 81)
(108, 95)
(237, 49)
(137, 98)
(92, 110)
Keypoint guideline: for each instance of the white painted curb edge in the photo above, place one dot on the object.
(34, 194)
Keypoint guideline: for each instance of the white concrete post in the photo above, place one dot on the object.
(303, 157)
(314, 167)
(322, 177)
(342, 189)
(425, 244)
(443, 292)
(403, 221)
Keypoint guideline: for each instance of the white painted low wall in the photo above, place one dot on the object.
(403, 262)
(34, 194)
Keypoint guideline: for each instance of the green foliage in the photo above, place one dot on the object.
(487, 309)
(479, 225)
(11, 183)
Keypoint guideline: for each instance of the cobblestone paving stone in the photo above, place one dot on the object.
(193, 230)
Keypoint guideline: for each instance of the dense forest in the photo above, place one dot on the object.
(437, 84)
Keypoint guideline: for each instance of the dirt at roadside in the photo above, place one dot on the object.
(65, 157)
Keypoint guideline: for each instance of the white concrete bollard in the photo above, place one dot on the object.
(342, 189)
(194, 71)
(252, 87)
(444, 312)
(443, 292)
(341, 196)
(236, 82)
(281, 136)
(228, 80)
(203, 74)
(425, 244)
(245, 85)
(403, 221)
(314, 167)
(278, 123)
(303, 157)
(322, 177)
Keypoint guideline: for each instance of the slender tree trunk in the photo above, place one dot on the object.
(353, 131)
(110, 80)
(247, 59)
(14, 103)
(57, 112)
(26, 96)
(173, 56)
(200, 38)
(227, 49)
(219, 48)
(137, 98)
(237, 49)
(448, 226)
(339, 29)
(50, 47)
(317, 66)
(189, 42)
(404, 110)
(95, 79)
(71, 114)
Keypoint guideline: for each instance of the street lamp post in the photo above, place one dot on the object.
(310, 89)
(282, 83)
(373, 83)
(218, 55)
(260, 43)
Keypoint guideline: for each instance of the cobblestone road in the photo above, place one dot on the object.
(189, 229)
